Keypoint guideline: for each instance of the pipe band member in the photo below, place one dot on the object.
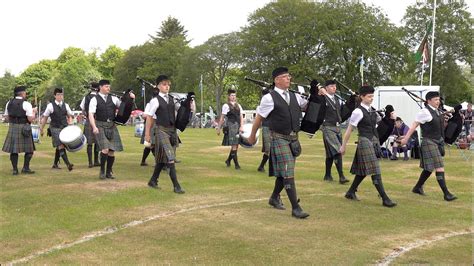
(92, 146)
(365, 159)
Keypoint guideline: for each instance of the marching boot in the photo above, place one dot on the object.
(14, 161)
(327, 175)
(96, 155)
(176, 187)
(89, 155)
(103, 160)
(110, 163)
(236, 160)
(146, 152)
(377, 180)
(338, 163)
(442, 184)
(153, 183)
(56, 160)
(418, 188)
(297, 211)
(261, 168)
(351, 193)
(63, 154)
(26, 164)
(231, 155)
(275, 200)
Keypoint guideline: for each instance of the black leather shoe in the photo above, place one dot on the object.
(179, 190)
(389, 203)
(91, 165)
(96, 164)
(109, 176)
(15, 172)
(449, 197)
(70, 167)
(55, 166)
(343, 180)
(102, 176)
(153, 184)
(299, 213)
(143, 164)
(27, 171)
(328, 178)
(418, 190)
(276, 203)
(227, 163)
(261, 169)
(351, 196)
(237, 167)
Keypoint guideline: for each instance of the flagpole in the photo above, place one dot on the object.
(422, 71)
(202, 102)
(432, 41)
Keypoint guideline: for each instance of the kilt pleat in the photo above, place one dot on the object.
(430, 155)
(282, 161)
(15, 142)
(232, 137)
(55, 136)
(332, 139)
(365, 160)
(88, 133)
(164, 150)
(114, 143)
(266, 140)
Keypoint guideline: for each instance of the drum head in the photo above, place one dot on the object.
(243, 140)
(70, 134)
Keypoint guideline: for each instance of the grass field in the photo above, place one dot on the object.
(224, 217)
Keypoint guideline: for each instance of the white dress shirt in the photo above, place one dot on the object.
(27, 107)
(226, 108)
(155, 104)
(93, 102)
(83, 102)
(424, 115)
(357, 115)
(266, 104)
(50, 109)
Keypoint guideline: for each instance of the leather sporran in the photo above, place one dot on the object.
(295, 147)
(26, 130)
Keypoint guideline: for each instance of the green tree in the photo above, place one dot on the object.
(7, 83)
(108, 60)
(70, 53)
(452, 46)
(36, 76)
(170, 28)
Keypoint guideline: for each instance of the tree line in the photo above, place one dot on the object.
(319, 40)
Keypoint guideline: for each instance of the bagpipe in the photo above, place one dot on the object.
(126, 106)
(316, 108)
(452, 117)
(184, 114)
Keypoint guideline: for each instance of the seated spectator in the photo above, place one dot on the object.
(399, 131)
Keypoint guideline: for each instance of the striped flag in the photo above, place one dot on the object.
(422, 51)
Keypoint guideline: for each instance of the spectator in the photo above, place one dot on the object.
(399, 131)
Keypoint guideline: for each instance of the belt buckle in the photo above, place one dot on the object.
(337, 124)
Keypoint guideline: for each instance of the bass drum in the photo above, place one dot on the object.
(72, 138)
(244, 136)
(35, 132)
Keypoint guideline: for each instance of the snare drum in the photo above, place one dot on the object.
(244, 136)
(35, 132)
(139, 127)
(72, 138)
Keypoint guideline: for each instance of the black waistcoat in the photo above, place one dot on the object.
(434, 128)
(233, 115)
(284, 118)
(366, 126)
(58, 116)
(87, 101)
(105, 109)
(16, 114)
(165, 114)
(333, 112)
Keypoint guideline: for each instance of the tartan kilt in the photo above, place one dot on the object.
(232, 137)
(55, 136)
(88, 133)
(332, 139)
(282, 161)
(152, 135)
(114, 143)
(365, 160)
(15, 142)
(266, 140)
(164, 150)
(430, 156)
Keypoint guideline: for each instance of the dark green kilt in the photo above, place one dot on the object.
(365, 160)
(232, 137)
(266, 140)
(332, 139)
(88, 133)
(152, 135)
(166, 140)
(430, 155)
(282, 161)
(110, 139)
(55, 136)
(15, 142)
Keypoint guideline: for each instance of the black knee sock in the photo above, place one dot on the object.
(146, 152)
(291, 192)
(63, 154)
(14, 160)
(110, 163)
(377, 181)
(236, 160)
(26, 163)
(89, 154)
(56, 157)
(103, 160)
(264, 161)
(173, 176)
(96, 154)
(338, 163)
(231, 155)
(423, 177)
(442, 182)
(328, 166)
(279, 185)
(355, 184)
(157, 171)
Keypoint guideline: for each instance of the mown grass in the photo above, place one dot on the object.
(52, 207)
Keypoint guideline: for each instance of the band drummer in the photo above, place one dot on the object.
(61, 116)
(94, 87)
